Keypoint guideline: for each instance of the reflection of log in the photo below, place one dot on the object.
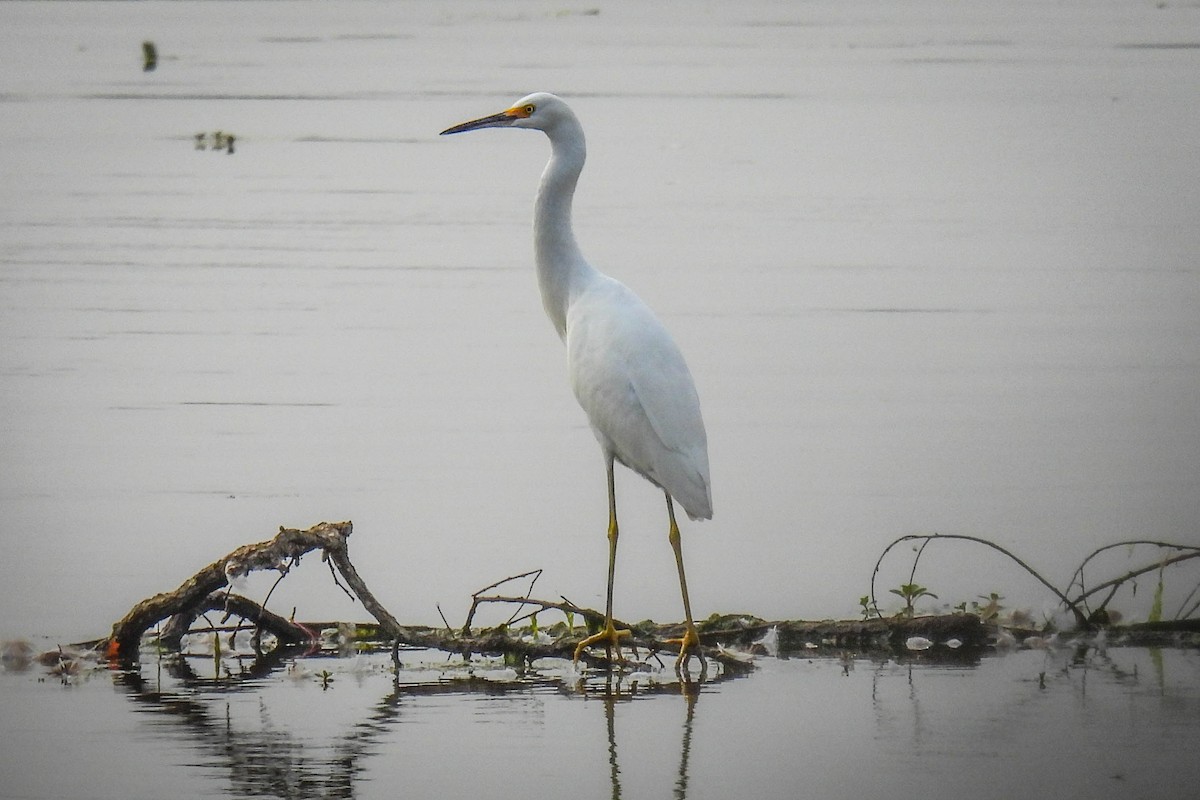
(195, 595)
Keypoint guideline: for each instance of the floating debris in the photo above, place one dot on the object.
(1021, 618)
(737, 655)
(219, 141)
(640, 678)
(1050, 642)
(918, 643)
(297, 672)
(16, 654)
(149, 56)
(338, 636)
(768, 643)
(1005, 639)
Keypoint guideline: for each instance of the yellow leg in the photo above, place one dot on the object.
(610, 636)
(689, 643)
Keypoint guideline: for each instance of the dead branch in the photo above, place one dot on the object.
(1080, 618)
(207, 590)
(476, 598)
(1117, 582)
(281, 553)
(233, 605)
(592, 619)
(1077, 606)
(1114, 584)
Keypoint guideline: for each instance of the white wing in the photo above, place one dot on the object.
(632, 381)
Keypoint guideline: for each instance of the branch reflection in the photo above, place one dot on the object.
(256, 748)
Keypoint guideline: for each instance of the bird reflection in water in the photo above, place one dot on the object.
(612, 695)
(261, 755)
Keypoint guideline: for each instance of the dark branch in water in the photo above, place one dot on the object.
(1078, 606)
(208, 590)
(1188, 552)
(928, 537)
(288, 632)
(477, 597)
(201, 592)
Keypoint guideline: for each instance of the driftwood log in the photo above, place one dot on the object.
(201, 592)
(209, 591)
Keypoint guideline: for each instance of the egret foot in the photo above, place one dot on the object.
(610, 636)
(689, 645)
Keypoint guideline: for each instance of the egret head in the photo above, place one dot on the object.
(540, 111)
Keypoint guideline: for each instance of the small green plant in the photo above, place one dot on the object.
(865, 603)
(989, 611)
(1156, 609)
(910, 593)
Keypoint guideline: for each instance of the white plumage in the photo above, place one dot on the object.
(627, 373)
(631, 380)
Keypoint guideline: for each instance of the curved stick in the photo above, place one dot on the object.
(927, 537)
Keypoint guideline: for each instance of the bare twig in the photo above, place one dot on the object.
(1078, 606)
(280, 554)
(341, 559)
(333, 574)
(1077, 578)
(566, 606)
(1181, 613)
(445, 621)
(927, 537)
(1115, 583)
(476, 599)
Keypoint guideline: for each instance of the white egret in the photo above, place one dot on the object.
(625, 369)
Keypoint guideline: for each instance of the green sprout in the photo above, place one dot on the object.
(865, 603)
(990, 610)
(911, 593)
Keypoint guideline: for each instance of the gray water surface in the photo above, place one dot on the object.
(1070, 723)
(932, 271)
(934, 268)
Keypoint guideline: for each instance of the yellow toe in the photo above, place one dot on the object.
(610, 637)
(689, 645)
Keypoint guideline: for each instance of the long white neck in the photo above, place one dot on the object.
(560, 264)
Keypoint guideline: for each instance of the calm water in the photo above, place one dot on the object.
(1069, 724)
(934, 269)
